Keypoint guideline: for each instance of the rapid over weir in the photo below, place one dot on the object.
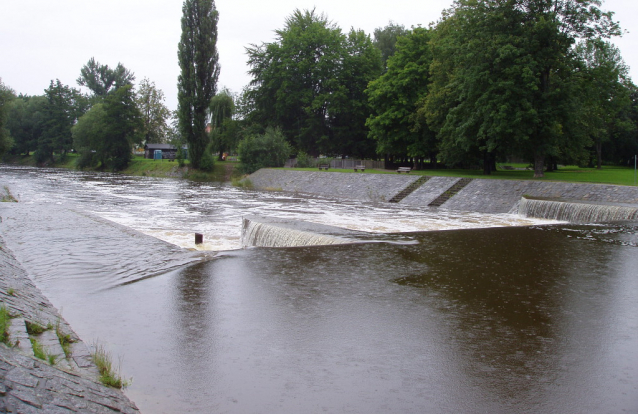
(576, 212)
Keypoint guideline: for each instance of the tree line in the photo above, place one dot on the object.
(102, 125)
(491, 80)
(534, 80)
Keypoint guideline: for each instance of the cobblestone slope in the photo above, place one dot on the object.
(32, 385)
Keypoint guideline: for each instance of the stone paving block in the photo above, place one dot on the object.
(51, 345)
(19, 337)
(81, 355)
(22, 377)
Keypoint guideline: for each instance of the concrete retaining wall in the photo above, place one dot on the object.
(501, 196)
(347, 186)
(480, 195)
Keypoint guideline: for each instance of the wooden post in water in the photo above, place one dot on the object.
(199, 238)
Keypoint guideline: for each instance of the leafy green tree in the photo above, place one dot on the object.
(6, 96)
(625, 145)
(89, 137)
(155, 114)
(25, 122)
(104, 136)
(385, 39)
(101, 79)
(308, 79)
(511, 88)
(124, 127)
(394, 97)
(223, 127)
(264, 151)
(350, 109)
(197, 82)
(295, 78)
(63, 107)
(606, 93)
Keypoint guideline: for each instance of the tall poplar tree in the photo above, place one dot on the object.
(198, 61)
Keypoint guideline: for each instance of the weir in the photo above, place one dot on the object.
(271, 232)
(575, 212)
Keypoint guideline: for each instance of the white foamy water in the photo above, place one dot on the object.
(174, 210)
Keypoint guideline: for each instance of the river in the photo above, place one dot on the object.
(466, 313)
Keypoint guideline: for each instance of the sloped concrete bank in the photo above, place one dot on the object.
(480, 195)
(31, 385)
(360, 186)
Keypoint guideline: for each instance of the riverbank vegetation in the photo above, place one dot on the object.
(140, 166)
(570, 173)
(5, 321)
(489, 83)
(109, 376)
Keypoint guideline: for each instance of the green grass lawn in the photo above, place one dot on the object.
(606, 175)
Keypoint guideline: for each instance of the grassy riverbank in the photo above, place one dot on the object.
(139, 166)
(606, 175)
(229, 171)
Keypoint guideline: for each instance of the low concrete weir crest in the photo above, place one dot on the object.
(270, 232)
(575, 212)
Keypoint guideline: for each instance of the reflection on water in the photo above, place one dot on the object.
(536, 319)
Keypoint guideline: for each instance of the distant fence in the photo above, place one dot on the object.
(343, 163)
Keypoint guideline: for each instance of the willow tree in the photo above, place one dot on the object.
(197, 82)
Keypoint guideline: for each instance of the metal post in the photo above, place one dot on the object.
(199, 238)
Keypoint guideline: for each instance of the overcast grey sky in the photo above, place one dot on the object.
(41, 40)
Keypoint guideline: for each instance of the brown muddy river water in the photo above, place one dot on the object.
(502, 319)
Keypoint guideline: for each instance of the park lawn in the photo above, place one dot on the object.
(606, 175)
(152, 168)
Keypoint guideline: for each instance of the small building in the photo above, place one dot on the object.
(163, 151)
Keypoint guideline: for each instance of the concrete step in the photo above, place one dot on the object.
(19, 337)
(409, 189)
(80, 360)
(81, 356)
(51, 344)
(450, 192)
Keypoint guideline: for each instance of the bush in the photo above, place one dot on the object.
(304, 160)
(87, 159)
(263, 151)
(207, 163)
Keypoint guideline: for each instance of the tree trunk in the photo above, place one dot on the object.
(433, 162)
(487, 165)
(550, 164)
(599, 154)
(539, 165)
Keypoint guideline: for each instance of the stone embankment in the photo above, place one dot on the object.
(32, 385)
(479, 195)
